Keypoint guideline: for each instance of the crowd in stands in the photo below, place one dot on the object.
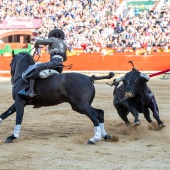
(94, 24)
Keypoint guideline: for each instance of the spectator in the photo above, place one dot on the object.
(149, 46)
(85, 22)
(84, 46)
(130, 42)
(144, 44)
(136, 45)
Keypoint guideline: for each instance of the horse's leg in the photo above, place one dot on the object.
(19, 105)
(7, 113)
(101, 123)
(154, 108)
(93, 115)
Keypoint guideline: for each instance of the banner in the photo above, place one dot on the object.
(142, 5)
(21, 23)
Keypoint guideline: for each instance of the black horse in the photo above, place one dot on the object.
(76, 89)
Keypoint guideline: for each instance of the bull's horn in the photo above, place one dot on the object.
(120, 79)
(145, 76)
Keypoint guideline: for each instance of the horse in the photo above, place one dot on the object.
(74, 88)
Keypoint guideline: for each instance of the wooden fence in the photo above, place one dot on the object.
(118, 62)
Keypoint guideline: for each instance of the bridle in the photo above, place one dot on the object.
(13, 70)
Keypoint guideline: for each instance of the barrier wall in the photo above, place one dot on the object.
(6, 49)
(97, 62)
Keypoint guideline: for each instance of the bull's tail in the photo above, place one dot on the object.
(109, 76)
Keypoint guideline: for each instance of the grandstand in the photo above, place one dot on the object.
(99, 26)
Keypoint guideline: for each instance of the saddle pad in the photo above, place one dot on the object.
(46, 73)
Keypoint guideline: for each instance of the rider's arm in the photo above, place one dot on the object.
(44, 42)
(69, 48)
(65, 58)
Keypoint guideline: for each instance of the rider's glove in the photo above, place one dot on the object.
(36, 45)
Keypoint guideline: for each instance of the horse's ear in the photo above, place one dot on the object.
(13, 54)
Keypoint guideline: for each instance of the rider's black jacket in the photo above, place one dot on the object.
(56, 46)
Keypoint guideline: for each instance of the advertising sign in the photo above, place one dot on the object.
(141, 5)
(21, 23)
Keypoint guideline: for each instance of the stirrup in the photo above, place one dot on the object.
(31, 94)
(24, 93)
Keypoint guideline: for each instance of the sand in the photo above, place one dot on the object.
(55, 138)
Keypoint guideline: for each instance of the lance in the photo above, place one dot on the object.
(154, 74)
(158, 73)
(116, 81)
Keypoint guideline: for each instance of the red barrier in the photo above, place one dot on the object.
(98, 62)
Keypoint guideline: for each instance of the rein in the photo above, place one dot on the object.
(69, 66)
(24, 56)
(14, 80)
(34, 55)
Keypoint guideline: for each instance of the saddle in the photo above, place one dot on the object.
(42, 74)
(46, 73)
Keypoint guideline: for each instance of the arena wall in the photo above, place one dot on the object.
(97, 62)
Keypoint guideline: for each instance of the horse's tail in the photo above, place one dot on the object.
(109, 76)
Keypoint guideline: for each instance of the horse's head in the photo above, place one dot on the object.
(20, 63)
(13, 64)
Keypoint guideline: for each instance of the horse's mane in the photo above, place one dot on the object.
(25, 57)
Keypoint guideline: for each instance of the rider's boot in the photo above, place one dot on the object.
(30, 92)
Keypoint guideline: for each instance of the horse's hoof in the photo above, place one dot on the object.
(137, 123)
(10, 139)
(90, 142)
(107, 137)
(162, 125)
(127, 123)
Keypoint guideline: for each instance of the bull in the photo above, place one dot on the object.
(133, 95)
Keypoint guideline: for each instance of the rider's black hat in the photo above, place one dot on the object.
(57, 31)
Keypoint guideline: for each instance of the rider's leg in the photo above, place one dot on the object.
(30, 91)
(35, 73)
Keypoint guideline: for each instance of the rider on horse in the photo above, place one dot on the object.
(57, 49)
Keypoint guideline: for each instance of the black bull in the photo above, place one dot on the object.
(74, 88)
(134, 96)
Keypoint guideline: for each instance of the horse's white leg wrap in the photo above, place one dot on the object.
(103, 132)
(97, 134)
(0, 120)
(17, 130)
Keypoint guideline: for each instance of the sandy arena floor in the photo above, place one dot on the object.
(54, 138)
